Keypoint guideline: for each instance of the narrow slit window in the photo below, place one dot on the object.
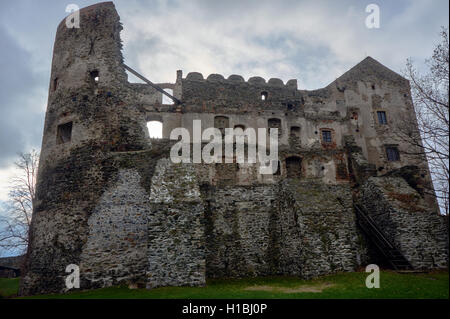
(55, 84)
(264, 96)
(95, 77)
(155, 129)
(64, 133)
(392, 153)
(382, 117)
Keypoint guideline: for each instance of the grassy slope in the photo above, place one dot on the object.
(346, 285)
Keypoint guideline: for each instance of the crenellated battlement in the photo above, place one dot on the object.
(236, 79)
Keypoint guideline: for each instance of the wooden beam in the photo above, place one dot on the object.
(176, 101)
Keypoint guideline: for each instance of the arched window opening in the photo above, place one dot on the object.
(293, 167)
(64, 133)
(165, 99)
(295, 131)
(264, 95)
(237, 127)
(155, 129)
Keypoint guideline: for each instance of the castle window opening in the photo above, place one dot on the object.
(392, 153)
(64, 133)
(274, 123)
(155, 129)
(382, 117)
(95, 77)
(55, 84)
(264, 95)
(221, 122)
(326, 136)
(293, 167)
(165, 99)
(295, 131)
(341, 170)
(239, 126)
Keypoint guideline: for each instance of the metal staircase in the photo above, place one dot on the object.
(380, 240)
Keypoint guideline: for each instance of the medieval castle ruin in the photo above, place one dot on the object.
(110, 200)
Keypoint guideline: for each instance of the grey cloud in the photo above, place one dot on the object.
(19, 120)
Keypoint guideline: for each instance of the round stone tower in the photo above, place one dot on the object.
(83, 124)
(87, 73)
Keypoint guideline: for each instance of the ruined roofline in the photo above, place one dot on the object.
(365, 69)
(369, 67)
(89, 9)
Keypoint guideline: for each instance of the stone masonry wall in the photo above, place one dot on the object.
(238, 230)
(116, 248)
(419, 232)
(290, 228)
(319, 224)
(176, 244)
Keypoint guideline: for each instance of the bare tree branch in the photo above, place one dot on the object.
(428, 135)
(15, 222)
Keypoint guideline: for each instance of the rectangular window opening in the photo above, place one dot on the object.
(155, 129)
(293, 167)
(382, 117)
(64, 133)
(326, 136)
(392, 153)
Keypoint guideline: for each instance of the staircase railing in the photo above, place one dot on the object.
(383, 244)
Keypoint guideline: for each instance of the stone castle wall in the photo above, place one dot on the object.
(416, 231)
(109, 199)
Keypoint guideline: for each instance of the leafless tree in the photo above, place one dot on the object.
(15, 222)
(430, 93)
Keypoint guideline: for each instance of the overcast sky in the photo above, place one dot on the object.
(312, 41)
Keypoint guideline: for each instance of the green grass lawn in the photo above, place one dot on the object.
(342, 285)
(8, 287)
